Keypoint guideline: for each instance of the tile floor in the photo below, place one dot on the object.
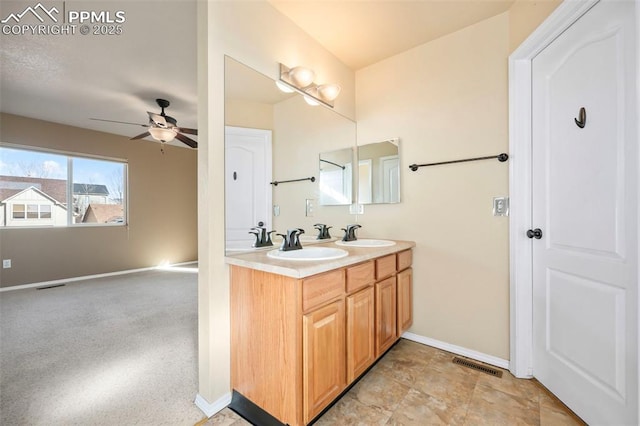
(414, 384)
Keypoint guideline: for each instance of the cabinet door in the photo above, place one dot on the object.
(405, 300)
(360, 332)
(386, 332)
(323, 357)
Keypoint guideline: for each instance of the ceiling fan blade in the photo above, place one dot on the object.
(188, 131)
(158, 119)
(186, 140)
(141, 135)
(121, 122)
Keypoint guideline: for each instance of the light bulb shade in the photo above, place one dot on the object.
(283, 87)
(301, 76)
(328, 92)
(311, 101)
(161, 134)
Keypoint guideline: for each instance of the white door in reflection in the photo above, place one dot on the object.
(390, 167)
(247, 182)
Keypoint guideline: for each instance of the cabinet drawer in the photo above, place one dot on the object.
(385, 266)
(405, 259)
(360, 276)
(322, 288)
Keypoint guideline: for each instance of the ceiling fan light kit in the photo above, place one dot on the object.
(162, 134)
(162, 127)
(300, 79)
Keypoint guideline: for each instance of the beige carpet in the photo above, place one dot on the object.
(110, 351)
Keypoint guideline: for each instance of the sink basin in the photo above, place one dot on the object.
(309, 253)
(304, 239)
(366, 243)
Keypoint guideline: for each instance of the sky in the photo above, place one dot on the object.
(18, 162)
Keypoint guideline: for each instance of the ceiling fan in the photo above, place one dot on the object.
(162, 127)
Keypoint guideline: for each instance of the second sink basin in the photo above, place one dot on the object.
(365, 242)
(309, 253)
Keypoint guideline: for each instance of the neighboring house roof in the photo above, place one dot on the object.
(37, 191)
(103, 213)
(54, 188)
(89, 189)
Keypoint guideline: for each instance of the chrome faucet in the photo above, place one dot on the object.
(291, 240)
(350, 232)
(263, 238)
(323, 231)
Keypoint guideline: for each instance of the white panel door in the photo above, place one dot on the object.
(390, 179)
(585, 281)
(247, 181)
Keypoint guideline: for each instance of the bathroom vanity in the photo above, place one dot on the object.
(303, 331)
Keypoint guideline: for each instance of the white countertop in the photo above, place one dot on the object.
(257, 259)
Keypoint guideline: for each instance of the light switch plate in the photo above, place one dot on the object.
(6, 263)
(501, 206)
(310, 207)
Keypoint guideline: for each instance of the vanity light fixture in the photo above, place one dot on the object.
(300, 79)
(283, 87)
(162, 134)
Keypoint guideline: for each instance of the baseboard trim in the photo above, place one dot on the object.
(89, 277)
(209, 409)
(458, 350)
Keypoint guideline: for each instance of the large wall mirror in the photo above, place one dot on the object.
(275, 136)
(379, 172)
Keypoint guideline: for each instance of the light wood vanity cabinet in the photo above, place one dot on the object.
(323, 352)
(360, 319)
(296, 344)
(405, 300)
(386, 329)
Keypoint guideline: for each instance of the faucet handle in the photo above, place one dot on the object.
(285, 242)
(257, 235)
(268, 241)
(296, 238)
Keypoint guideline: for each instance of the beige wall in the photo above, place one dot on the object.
(254, 115)
(302, 133)
(255, 34)
(525, 16)
(447, 100)
(162, 209)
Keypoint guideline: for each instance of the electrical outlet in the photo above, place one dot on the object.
(6, 263)
(356, 209)
(501, 206)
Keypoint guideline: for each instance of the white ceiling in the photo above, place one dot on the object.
(69, 79)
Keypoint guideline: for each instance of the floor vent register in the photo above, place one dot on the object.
(478, 367)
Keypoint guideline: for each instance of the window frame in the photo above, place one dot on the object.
(69, 157)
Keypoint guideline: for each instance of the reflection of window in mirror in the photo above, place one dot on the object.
(336, 177)
(379, 172)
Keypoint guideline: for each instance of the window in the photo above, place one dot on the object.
(39, 188)
(45, 211)
(18, 211)
(32, 211)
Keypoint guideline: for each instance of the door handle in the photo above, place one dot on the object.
(534, 233)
